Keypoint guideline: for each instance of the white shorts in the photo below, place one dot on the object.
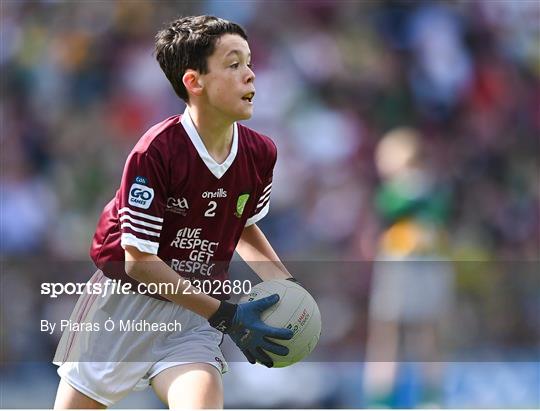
(413, 290)
(107, 364)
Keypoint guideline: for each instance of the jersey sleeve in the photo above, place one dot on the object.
(142, 200)
(263, 200)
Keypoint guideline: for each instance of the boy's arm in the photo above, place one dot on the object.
(149, 268)
(241, 321)
(257, 252)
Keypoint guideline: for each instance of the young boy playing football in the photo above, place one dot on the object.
(192, 191)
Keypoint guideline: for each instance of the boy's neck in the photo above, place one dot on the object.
(216, 133)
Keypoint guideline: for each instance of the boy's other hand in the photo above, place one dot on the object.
(243, 323)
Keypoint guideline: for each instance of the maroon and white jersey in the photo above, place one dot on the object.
(176, 202)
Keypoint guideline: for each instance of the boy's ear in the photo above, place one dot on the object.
(193, 82)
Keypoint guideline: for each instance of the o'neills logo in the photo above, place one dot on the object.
(220, 193)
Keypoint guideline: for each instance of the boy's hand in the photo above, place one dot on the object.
(243, 323)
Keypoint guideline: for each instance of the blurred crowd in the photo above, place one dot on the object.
(80, 85)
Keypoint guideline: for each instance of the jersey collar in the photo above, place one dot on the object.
(218, 170)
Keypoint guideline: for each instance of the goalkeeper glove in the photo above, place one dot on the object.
(243, 324)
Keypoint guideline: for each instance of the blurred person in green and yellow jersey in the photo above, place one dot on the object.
(412, 284)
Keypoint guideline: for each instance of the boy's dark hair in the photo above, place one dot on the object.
(187, 43)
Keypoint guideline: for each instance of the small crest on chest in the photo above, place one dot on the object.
(241, 204)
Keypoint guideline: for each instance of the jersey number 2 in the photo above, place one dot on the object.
(211, 212)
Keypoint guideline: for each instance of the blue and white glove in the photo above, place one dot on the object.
(243, 324)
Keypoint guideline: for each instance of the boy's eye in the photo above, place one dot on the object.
(250, 65)
(234, 65)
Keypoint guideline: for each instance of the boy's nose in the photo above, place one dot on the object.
(251, 76)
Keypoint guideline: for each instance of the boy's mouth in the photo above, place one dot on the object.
(249, 96)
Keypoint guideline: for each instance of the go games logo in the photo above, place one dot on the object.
(140, 196)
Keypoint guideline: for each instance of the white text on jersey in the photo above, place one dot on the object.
(220, 193)
(177, 205)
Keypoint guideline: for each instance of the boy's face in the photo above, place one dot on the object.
(228, 85)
